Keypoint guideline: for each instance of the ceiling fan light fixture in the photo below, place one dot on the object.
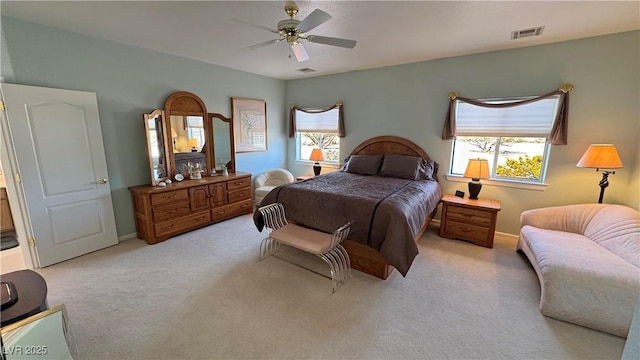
(292, 30)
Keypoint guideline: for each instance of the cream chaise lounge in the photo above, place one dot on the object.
(587, 258)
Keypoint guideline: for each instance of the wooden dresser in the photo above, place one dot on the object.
(6, 221)
(163, 212)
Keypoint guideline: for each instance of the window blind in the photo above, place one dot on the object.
(532, 119)
(325, 122)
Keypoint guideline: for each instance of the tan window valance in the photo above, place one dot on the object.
(292, 117)
(558, 134)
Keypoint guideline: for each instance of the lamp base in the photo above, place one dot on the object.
(474, 188)
(317, 168)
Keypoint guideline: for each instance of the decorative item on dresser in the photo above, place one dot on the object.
(163, 212)
(468, 219)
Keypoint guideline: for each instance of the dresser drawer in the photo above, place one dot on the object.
(170, 212)
(457, 230)
(185, 223)
(467, 215)
(239, 195)
(239, 183)
(169, 196)
(228, 211)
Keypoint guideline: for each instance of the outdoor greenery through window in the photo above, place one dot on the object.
(318, 130)
(513, 139)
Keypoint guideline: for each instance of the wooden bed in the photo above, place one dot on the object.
(363, 257)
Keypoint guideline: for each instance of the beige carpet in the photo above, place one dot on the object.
(204, 295)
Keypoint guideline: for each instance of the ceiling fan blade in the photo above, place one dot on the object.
(256, 46)
(245, 22)
(345, 43)
(300, 52)
(316, 18)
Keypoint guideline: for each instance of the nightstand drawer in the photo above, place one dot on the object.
(169, 196)
(457, 230)
(476, 217)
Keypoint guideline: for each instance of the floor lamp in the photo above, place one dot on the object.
(601, 156)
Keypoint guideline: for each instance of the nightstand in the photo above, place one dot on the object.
(304, 177)
(471, 220)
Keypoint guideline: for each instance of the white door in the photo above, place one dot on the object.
(60, 158)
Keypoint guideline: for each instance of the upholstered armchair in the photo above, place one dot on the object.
(269, 180)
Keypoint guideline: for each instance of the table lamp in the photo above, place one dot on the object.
(316, 155)
(601, 156)
(476, 169)
(193, 144)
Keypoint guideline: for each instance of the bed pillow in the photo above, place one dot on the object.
(407, 167)
(363, 164)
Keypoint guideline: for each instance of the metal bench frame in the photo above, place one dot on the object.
(335, 256)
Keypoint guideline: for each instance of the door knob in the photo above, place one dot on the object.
(102, 181)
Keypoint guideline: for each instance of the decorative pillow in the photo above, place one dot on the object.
(363, 164)
(407, 167)
(429, 171)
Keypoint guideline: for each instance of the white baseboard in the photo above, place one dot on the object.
(127, 237)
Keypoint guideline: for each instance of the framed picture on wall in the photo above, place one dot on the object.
(249, 124)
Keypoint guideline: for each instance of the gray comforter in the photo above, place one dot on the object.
(387, 212)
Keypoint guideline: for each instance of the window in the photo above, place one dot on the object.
(195, 129)
(318, 130)
(513, 139)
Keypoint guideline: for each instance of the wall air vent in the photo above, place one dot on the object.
(536, 31)
(306, 70)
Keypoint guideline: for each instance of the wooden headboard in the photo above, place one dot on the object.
(389, 145)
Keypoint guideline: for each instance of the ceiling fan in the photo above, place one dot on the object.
(293, 31)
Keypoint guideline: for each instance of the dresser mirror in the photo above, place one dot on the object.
(157, 147)
(185, 134)
(223, 146)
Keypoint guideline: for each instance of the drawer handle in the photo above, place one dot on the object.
(167, 227)
(244, 206)
(221, 212)
(200, 218)
(169, 197)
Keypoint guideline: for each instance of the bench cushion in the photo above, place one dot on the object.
(302, 238)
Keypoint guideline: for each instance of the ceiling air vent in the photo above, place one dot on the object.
(306, 70)
(536, 31)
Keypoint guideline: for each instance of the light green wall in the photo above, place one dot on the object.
(411, 101)
(406, 100)
(130, 81)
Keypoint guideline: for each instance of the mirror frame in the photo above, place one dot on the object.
(184, 103)
(154, 114)
(210, 140)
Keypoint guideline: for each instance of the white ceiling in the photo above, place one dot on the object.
(388, 32)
